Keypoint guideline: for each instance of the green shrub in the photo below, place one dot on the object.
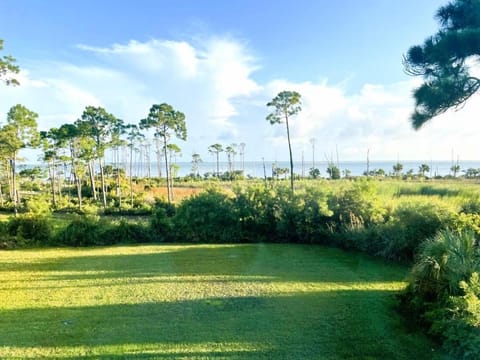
(444, 291)
(40, 205)
(125, 232)
(161, 225)
(206, 218)
(412, 223)
(82, 231)
(312, 215)
(7, 241)
(31, 229)
(257, 210)
(360, 203)
(471, 206)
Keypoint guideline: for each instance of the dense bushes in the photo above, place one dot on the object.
(29, 229)
(444, 291)
(91, 230)
(206, 218)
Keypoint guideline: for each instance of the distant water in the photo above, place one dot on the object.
(356, 168)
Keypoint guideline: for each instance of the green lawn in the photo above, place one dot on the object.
(202, 302)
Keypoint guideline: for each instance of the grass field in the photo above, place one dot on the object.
(201, 302)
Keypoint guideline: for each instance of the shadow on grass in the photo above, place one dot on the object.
(258, 262)
(327, 325)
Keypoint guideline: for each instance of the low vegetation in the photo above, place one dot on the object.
(395, 220)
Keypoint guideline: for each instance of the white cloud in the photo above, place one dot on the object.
(212, 82)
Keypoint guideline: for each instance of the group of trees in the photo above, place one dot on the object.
(83, 145)
(231, 150)
(442, 60)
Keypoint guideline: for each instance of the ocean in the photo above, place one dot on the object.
(257, 169)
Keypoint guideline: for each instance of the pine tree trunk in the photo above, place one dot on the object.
(159, 157)
(92, 179)
(117, 166)
(51, 170)
(1, 196)
(167, 172)
(102, 177)
(14, 185)
(290, 151)
(131, 175)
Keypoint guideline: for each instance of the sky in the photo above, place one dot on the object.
(220, 62)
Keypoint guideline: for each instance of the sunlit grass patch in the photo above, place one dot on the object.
(202, 301)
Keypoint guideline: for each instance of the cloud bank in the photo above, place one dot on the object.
(213, 82)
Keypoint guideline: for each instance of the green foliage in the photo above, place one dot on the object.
(39, 205)
(81, 231)
(359, 203)
(8, 68)
(444, 291)
(125, 232)
(441, 61)
(285, 105)
(256, 212)
(411, 223)
(161, 223)
(333, 171)
(471, 206)
(460, 325)
(30, 229)
(206, 218)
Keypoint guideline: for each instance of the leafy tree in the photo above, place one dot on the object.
(50, 156)
(455, 169)
(443, 61)
(196, 161)
(231, 152)
(7, 68)
(167, 122)
(116, 141)
(397, 168)
(216, 149)
(472, 172)
(285, 105)
(333, 171)
(314, 173)
(98, 125)
(68, 135)
(133, 136)
(422, 169)
(20, 132)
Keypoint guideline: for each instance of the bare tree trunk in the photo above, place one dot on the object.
(290, 151)
(117, 166)
(102, 177)
(51, 171)
(78, 183)
(59, 183)
(14, 185)
(131, 175)
(1, 195)
(167, 172)
(9, 179)
(92, 179)
(159, 157)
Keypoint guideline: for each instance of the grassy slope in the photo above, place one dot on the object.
(216, 301)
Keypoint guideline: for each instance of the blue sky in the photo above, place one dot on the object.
(220, 62)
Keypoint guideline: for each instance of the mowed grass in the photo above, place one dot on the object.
(200, 302)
